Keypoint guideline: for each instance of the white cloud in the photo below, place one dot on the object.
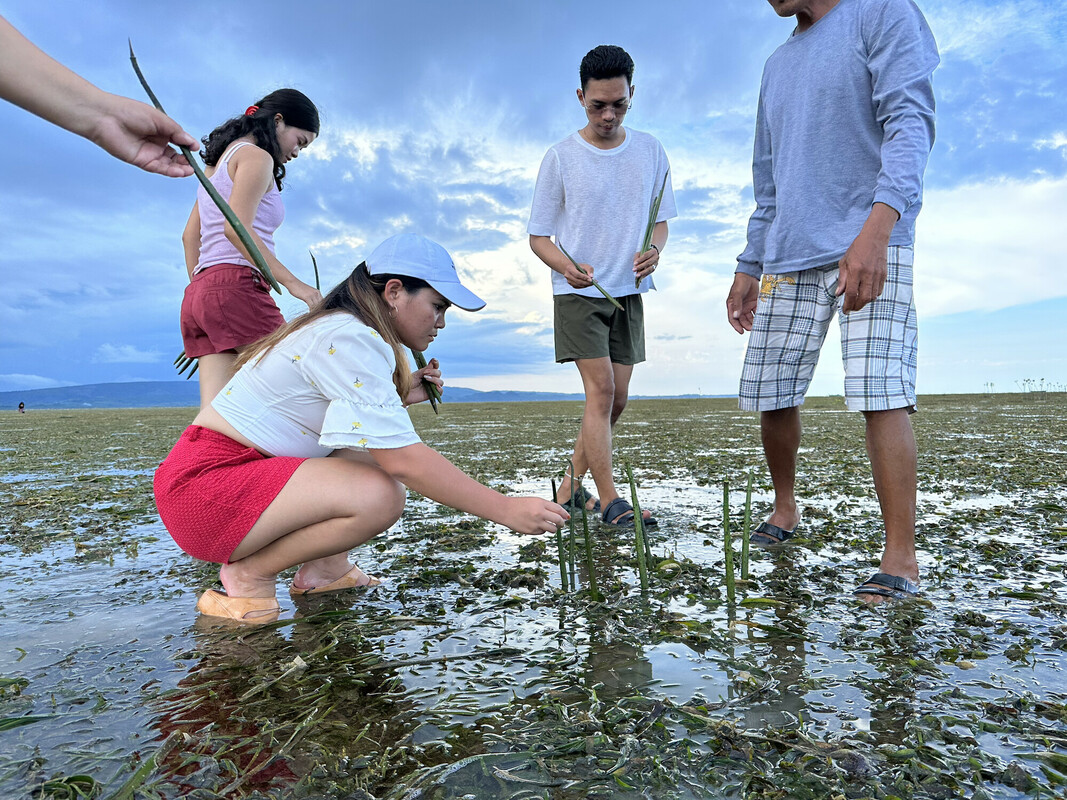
(1058, 141)
(990, 245)
(981, 32)
(124, 354)
(15, 381)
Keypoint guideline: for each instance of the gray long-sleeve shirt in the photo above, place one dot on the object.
(845, 120)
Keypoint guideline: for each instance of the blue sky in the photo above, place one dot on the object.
(435, 119)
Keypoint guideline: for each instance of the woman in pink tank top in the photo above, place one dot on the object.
(227, 305)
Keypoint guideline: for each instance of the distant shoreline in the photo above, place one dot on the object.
(186, 394)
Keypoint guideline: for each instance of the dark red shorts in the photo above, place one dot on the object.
(210, 490)
(225, 307)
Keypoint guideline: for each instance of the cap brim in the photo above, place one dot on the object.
(458, 295)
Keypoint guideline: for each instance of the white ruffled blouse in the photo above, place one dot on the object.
(327, 386)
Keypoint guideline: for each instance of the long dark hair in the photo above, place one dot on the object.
(361, 296)
(296, 110)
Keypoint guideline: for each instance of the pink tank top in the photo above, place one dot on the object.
(215, 248)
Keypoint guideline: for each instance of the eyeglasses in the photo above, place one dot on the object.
(620, 108)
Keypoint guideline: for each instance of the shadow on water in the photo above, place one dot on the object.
(472, 674)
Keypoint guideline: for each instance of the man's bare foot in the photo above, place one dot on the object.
(778, 527)
(785, 516)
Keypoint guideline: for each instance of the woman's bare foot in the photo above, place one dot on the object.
(239, 581)
(322, 572)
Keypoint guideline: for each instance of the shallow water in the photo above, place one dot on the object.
(470, 673)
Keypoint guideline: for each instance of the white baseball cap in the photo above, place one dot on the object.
(418, 257)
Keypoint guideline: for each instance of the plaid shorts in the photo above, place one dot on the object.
(878, 342)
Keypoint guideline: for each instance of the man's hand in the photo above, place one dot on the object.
(741, 302)
(547, 250)
(645, 263)
(577, 279)
(862, 270)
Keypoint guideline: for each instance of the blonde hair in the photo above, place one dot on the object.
(361, 296)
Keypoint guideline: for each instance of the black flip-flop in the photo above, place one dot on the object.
(768, 535)
(886, 585)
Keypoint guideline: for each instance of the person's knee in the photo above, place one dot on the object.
(398, 495)
(618, 405)
(598, 402)
(778, 414)
(888, 413)
(780, 420)
(375, 504)
(390, 497)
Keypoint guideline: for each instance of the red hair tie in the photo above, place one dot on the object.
(251, 110)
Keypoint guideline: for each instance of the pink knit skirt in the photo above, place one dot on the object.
(210, 490)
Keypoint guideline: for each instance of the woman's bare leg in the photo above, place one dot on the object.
(214, 371)
(327, 507)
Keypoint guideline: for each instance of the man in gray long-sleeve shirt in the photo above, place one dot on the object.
(843, 132)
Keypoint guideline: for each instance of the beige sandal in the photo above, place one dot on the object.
(353, 579)
(245, 610)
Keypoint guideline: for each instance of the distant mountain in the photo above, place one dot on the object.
(141, 394)
(181, 394)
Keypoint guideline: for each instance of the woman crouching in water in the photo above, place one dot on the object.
(305, 453)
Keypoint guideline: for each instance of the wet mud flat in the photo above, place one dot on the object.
(471, 674)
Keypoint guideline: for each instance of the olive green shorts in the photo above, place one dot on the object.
(591, 327)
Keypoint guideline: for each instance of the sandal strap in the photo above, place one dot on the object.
(579, 499)
(616, 510)
(771, 533)
(886, 585)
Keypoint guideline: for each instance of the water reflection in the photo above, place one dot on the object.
(268, 707)
(616, 668)
(896, 655)
(782, 653)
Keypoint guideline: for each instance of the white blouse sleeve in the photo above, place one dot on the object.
(352, 367)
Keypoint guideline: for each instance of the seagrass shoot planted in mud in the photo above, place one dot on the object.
(640, 542)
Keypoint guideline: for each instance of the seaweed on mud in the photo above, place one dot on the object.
(470, 673)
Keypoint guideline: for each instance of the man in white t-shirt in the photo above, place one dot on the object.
(593, 194)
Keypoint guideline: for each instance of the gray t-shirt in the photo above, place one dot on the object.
(596, 203)
(845, 120)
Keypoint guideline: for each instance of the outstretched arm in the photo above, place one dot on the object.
(131, 131)
(431, 474)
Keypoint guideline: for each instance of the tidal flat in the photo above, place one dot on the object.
(471, 674)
